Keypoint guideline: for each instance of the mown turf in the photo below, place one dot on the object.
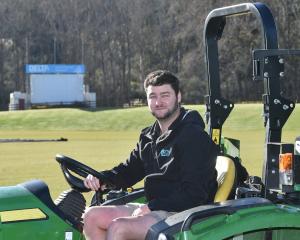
(244, 116)
(24, 161)
(103, 138)
(76, 119)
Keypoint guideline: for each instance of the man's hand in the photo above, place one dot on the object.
(92, 183)
(141, 211)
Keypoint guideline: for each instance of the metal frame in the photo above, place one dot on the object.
(267, 67)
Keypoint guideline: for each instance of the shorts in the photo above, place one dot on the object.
(159, 215)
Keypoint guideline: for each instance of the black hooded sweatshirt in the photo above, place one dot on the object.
(178, 166)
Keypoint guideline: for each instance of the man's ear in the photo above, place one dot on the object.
(179, 97)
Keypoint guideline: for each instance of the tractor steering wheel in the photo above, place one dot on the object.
(70, 166)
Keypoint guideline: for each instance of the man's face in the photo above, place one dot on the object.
(162, 101)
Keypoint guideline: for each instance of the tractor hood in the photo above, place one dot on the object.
(28, 212)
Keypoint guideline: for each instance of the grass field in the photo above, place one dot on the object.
(103, 138)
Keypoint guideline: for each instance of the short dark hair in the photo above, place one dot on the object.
(161, 77)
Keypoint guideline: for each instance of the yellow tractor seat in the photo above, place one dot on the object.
(226, 178)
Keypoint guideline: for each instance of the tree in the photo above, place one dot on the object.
(121, 41)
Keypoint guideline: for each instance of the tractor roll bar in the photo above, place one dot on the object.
(267, 67)
(217, 108)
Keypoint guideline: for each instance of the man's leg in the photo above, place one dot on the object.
(97, 219)
(133, 228)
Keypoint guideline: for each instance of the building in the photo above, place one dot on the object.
(49, 85)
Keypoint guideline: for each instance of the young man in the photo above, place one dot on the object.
(175, 156)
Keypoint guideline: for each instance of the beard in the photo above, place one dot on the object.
(167, 114)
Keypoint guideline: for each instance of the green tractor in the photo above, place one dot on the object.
(256, 209)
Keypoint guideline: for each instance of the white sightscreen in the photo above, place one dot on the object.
(56, 88)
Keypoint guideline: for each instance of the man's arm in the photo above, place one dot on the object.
(124, 175)
(129, 172)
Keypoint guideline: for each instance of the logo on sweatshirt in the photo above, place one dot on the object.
(165, 152)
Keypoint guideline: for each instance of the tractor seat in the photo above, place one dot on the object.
(226, 178)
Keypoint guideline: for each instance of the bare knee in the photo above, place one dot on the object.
(128, 228)
(93, 223)
(89, 217)
(88, 214)
(118, 229)
(101, 217)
